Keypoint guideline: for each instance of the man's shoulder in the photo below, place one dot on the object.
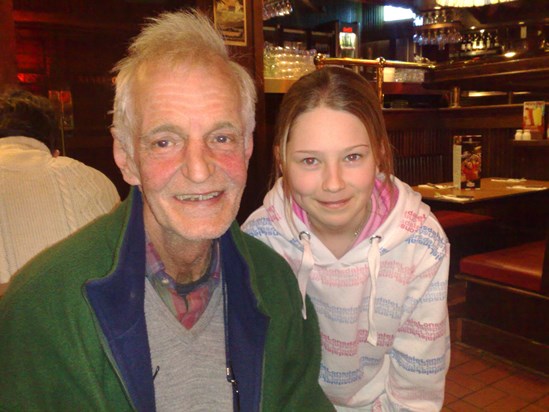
(270, 275)
(261, 253)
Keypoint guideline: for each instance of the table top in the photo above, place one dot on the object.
(491, 188)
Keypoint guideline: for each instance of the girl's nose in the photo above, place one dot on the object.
(333, 179)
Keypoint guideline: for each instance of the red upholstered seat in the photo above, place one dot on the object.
(450, 219)
(520, 266)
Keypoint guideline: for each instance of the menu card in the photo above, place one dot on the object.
(533, 118)
(467, 161)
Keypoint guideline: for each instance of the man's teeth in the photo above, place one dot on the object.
(198, 197)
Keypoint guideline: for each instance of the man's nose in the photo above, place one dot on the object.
(198, 164)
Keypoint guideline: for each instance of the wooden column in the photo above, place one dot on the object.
(8, 68)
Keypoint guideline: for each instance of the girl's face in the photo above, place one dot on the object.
(331, 170)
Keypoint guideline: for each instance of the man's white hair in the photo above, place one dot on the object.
(176, 38)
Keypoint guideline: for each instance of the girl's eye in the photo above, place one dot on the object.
(353, 157)
(310, 161)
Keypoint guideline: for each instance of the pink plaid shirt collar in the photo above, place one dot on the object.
(187, 302)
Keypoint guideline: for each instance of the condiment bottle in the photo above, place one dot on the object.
(526, 135)
(518, 134)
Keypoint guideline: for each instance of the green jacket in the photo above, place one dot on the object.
(73, 335)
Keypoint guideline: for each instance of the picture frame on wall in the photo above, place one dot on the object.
(230, 19)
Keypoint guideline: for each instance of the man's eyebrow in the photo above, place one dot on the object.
(171, 128)
(225, 125)
(167, 127)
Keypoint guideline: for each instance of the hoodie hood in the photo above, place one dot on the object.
(304, 250)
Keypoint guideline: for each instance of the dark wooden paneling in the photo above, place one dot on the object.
(421, 155)
(531, 160)
(422, 139)
(8, 68)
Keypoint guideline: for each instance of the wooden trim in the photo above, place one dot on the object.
(530, 143)
(70, 21)
(502, 286)
(479, 117)
(497, 74)
(526, 352)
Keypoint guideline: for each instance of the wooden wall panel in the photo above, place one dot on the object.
(422, 141)
(421, 155)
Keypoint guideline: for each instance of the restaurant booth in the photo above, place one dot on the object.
(449, 71)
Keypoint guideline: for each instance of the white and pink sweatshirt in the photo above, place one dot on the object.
(381, 307)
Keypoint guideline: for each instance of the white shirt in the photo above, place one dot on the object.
(43, 199)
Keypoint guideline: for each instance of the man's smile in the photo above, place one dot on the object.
(198, 197)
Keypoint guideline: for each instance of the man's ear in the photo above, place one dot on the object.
(125, 163)
(249, 148)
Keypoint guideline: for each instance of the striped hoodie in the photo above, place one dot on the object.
(381, 307)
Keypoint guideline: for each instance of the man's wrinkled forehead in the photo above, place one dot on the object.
(214, 69)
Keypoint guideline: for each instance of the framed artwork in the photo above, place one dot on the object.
(230, 19)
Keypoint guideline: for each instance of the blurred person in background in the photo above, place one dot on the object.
(44, 197)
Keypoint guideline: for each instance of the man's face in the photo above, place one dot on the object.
(190, 158)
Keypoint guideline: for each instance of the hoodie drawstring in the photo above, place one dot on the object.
(305, 269)
(374, 256)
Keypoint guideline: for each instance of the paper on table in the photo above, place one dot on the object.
(454, 198)
(508, 180)
(522, 187)
(436, 186)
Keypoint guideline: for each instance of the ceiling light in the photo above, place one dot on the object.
(469, 3)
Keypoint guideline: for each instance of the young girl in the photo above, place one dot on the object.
(365, 249)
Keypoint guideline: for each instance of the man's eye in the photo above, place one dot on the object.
(161, 144)
(222, 138)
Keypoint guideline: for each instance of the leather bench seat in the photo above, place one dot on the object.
(520, 266)
(468, 234)
(452, 219)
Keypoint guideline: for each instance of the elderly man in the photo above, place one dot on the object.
(165, 304)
